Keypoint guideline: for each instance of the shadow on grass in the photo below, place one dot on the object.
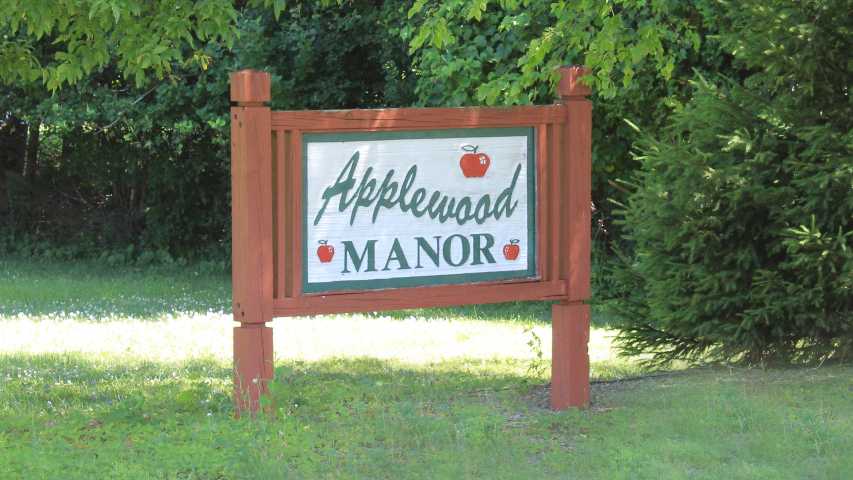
(360, 418)
(141, 392)
(535, 312)
(90, 290)
(520, 312)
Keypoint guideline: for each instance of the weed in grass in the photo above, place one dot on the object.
(537, 367)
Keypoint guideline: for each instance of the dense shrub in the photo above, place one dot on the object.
(742, 213)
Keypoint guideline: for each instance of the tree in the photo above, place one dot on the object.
(504, 52)
(60, 42)
(147, 165)
(742, 209)
(524, 41)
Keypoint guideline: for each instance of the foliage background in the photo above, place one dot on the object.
(131, 156)
(143, 167)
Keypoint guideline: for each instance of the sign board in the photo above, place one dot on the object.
(364, 210)
(405, 209)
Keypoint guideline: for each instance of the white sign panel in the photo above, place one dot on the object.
(403, 209)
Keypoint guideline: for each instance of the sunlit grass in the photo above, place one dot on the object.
(409, 341)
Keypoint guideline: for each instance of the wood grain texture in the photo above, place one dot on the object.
(569, 357)
(250, 87)
(238, 221)
(543, 214)
(570, 82)
(578, 209)
(420, 297)
(251, 214)
(253, 366)
(555, 182)
(295, 221)
(570, 320)
(417, 118)
(254, 208)
(280, 192)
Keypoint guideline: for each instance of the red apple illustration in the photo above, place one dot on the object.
(474, 164)
(325, 252)
(511, 249)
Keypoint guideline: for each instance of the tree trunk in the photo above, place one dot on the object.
(31, 163)
(13, 144)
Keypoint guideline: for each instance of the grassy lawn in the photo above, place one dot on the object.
(123, 373)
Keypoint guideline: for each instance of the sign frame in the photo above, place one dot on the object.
(267, 224)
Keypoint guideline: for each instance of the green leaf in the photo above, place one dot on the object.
(416, 8)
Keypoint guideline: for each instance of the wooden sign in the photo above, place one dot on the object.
(365, 210)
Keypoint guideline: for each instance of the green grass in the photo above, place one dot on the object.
(101, 378)
(86, 290)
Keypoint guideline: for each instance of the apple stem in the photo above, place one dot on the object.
(323, 242)
(470, 148)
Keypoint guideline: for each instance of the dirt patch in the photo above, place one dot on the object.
(539, 396)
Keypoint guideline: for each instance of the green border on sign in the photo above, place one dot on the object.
(448, 279)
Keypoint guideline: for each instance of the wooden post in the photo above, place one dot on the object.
(570, 320)
(251, 236)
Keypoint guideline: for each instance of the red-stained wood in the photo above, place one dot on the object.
(290, 222)
(280, 200)
(418, 118)
(420, 297)
(295, 184)
(570, 320)
(252, 211)
(250, 87)
(570, 358)
(543, 161)
(238, 221)
(253, 365)
(555, 198)
(252, 214)
(577, 179)
(571, 84)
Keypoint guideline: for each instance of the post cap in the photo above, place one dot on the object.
(250, 86)
(570, 82)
